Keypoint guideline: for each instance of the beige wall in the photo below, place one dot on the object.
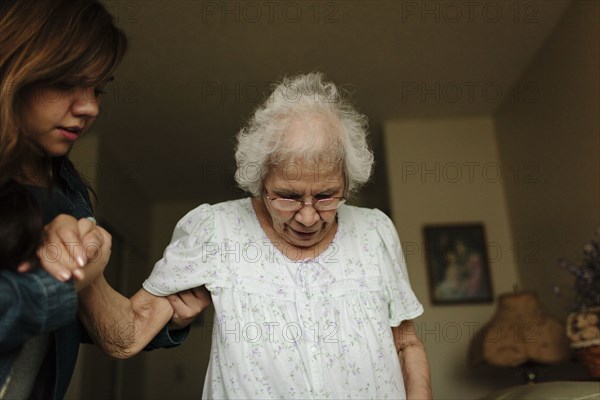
(553, 134)
(546, 141)
(446, 171)
(545, 205)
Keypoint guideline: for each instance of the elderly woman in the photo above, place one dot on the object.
(312, 296)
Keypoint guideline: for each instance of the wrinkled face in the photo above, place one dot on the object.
(306, 227)
(55, 116)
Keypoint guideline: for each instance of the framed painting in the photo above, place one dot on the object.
(457, 264)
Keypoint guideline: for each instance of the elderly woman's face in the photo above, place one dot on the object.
(306, 227)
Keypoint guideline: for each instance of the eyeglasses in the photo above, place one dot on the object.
(328, 204)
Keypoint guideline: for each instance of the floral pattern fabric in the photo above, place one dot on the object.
(315, 328)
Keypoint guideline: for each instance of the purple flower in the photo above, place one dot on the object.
(587, 276)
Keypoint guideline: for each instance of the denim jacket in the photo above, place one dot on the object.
(35, 303)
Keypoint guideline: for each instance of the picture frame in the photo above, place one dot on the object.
(457, 264)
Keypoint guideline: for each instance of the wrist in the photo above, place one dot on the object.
(90, 285)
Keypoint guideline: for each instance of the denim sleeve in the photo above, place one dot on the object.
(32, 304)
(168, 338)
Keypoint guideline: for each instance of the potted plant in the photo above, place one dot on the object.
(583, 324)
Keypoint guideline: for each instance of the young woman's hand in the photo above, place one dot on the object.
(70, 246)
(187, 305)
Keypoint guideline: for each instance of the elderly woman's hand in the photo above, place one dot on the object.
(97, 244)
(187, 305)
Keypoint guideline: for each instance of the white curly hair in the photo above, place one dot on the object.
(309, 100)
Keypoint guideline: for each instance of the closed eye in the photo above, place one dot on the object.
(324, 196)
(66, 85)
(287, 195)
(99, 92)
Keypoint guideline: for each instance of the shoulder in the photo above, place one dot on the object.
(239, 206)
(368, 217)
(371, 226)
(204, 216)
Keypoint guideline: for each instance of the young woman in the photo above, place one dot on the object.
(56, 57)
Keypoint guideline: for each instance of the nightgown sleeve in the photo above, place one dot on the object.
(191, 259)
(402, 302)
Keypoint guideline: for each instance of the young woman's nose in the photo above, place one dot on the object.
(85, 103)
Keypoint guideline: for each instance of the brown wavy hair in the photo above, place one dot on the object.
(21, 226)
(49, 41)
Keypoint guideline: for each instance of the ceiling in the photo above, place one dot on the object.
(196, 70)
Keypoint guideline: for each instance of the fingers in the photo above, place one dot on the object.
(86, 225)
(24, 267)
(68, 232)
(70, 244)
(78, 274)
(187, 305)
(176, 303)
(106, 237)
(51, 266)
(202, 297)
(58, 252)
(197, 298)
(98, 242)
(202, 291)
(182, 314)
(92, 244)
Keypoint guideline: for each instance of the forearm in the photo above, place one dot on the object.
(415, 371)
(413, 362)
(122, 327)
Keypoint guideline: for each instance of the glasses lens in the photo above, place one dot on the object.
(286, 204)
(328, 204)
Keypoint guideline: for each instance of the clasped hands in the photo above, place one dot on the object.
(80, 249)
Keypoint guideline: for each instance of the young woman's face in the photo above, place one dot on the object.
(55, 116)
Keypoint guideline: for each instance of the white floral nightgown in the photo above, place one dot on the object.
(317, 328)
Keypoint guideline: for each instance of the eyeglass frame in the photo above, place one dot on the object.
(302, 203)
